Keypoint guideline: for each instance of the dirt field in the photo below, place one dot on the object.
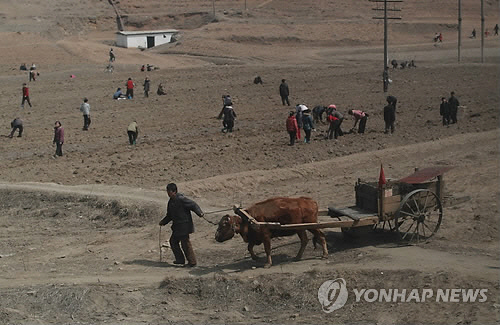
(79, 233)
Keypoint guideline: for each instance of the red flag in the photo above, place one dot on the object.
(381, 178)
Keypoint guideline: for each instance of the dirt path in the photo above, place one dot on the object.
(425, 258)
(210, 189)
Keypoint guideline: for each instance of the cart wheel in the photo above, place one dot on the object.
(419, 215)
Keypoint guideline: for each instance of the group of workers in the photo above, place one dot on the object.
(130, 85)
(301, 118)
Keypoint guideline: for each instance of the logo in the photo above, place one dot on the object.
(421, 295)
(332, 295)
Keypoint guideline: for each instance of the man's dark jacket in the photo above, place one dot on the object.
(444, 109)
(229, 114)
(453, 102)
(284, 92)
(179, 212)
(389, 114)
(16, 122)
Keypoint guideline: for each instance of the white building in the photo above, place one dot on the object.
(144, 39)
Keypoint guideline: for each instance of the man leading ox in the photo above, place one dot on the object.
(179, 212)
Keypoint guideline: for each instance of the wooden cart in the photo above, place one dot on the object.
(411, 206)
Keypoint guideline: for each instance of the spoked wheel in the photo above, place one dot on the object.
(419, 216)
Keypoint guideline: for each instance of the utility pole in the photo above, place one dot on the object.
(460, 27)
(385, 73)
(482, 31)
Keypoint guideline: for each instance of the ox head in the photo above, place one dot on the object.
(227, 228)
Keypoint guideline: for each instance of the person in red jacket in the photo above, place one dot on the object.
(58, 138)
(130, 88)
(332, 129)
(292, 128)
(26, 95)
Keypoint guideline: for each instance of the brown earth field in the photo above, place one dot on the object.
(79, 235)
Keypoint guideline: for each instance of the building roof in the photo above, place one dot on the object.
(148, 32)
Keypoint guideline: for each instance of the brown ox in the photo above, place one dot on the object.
(281, 209)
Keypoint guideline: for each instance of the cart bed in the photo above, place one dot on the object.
(352, 212)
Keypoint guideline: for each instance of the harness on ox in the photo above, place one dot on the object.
(245, 217)
(255, 225)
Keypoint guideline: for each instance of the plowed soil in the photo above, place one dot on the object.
(80, 241)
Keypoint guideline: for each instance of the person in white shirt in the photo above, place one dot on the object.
(85, 109)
